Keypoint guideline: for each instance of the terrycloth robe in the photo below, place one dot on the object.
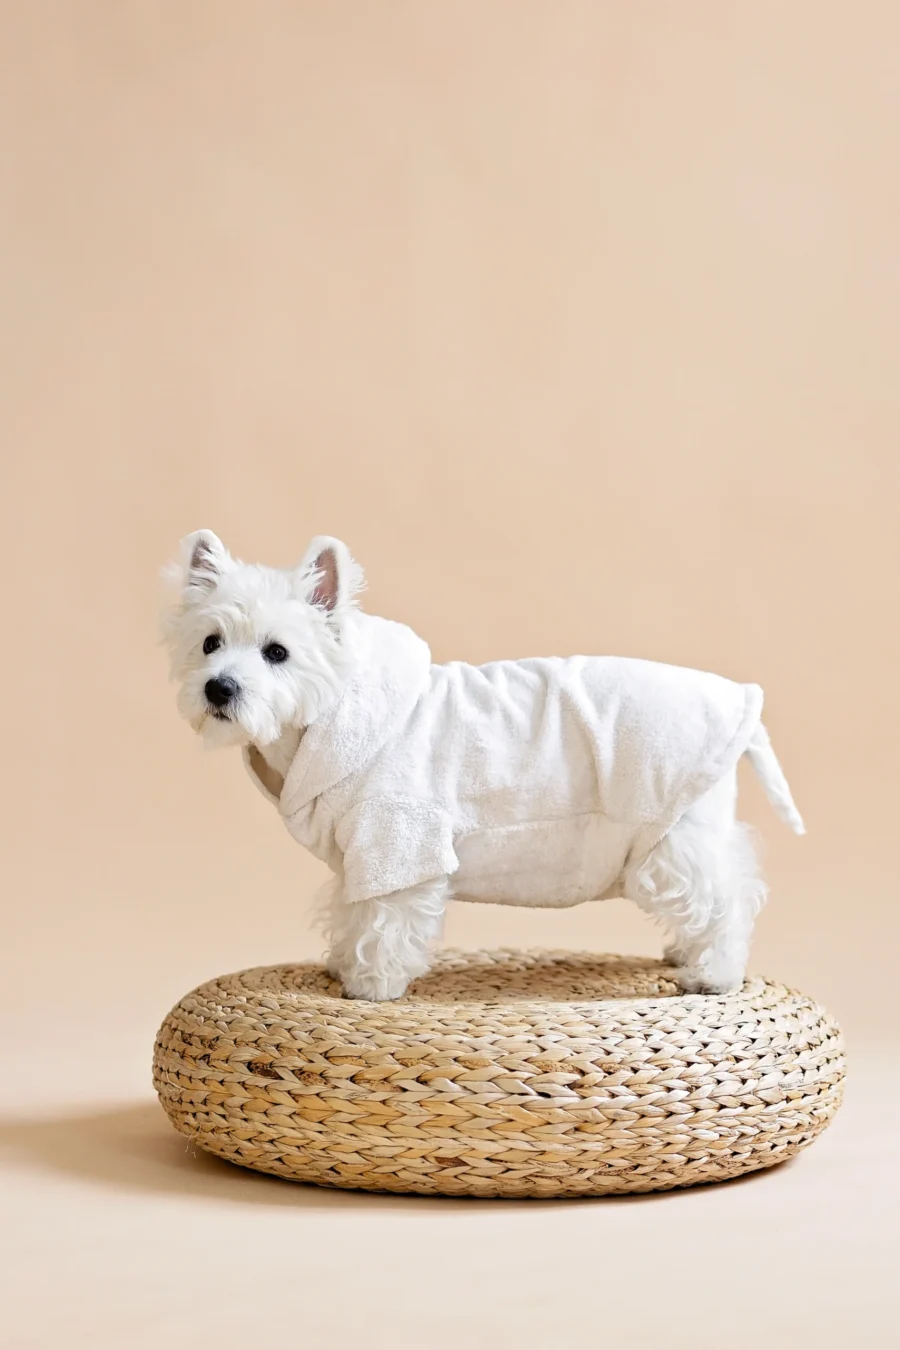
(525, 782)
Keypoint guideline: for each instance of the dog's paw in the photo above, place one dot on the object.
(697, 980)
(374, 988)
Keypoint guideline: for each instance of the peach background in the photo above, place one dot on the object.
(579, 322)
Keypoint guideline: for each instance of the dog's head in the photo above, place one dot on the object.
(257, 650)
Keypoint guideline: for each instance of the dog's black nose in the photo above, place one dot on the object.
(221, 691)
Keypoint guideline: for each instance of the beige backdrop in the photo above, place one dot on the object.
(579, 322)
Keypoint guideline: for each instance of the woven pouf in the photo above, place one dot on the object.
(500, 1074)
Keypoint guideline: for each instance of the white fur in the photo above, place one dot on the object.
(701, 881)
(376, 947)
(248, 606)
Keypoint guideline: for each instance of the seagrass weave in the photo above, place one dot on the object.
(500, 1074)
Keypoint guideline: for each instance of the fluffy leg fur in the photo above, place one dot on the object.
(377, 947)
(702, 881)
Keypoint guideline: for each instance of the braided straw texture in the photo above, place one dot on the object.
(500, 1074)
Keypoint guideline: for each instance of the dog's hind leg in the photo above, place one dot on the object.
(702, 881)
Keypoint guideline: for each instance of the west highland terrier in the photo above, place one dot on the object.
(542, 782)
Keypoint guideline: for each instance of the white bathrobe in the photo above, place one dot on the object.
(526, 782)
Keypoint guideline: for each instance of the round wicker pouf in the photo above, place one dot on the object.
(500, 1074)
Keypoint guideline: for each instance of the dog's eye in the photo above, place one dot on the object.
(275, 653)
(211, 644)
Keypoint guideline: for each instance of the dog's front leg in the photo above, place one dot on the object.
(379, 946)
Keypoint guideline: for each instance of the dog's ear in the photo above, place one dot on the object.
(204, 559)
(329, 577)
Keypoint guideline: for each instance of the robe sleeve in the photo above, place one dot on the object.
(390, 844)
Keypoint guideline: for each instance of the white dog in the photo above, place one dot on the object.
(546, 782)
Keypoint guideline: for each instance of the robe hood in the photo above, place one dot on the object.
(391, 671)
